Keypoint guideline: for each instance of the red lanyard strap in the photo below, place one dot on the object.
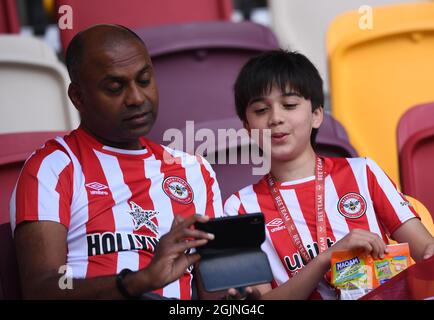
(321, 228)
(319, 208)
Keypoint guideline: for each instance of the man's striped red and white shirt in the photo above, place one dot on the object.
(114, 203)
(358, 194)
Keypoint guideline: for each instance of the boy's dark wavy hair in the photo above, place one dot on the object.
(279, 68)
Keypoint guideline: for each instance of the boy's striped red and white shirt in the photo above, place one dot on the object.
(114, 203)
(358, 194)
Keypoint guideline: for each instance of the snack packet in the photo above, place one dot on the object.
(356, 274)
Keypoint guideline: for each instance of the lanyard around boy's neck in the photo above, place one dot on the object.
(321, 229)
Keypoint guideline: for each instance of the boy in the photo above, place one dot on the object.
(312, 205)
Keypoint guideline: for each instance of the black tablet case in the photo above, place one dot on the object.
(234, 258)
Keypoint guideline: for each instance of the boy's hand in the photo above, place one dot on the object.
(248, 293)
(429, 251)
(358, 239)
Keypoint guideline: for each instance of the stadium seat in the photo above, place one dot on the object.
(9, 275)
(415, 136)
(332, 139)
(139, 13)
(9, 22)
(33, 87)
(377, 74)
(196, 65)
(15, 148)
(301, 25)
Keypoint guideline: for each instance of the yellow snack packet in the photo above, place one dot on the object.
(356, 274)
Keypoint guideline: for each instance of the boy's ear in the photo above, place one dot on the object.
(246, 125)
(317, 117)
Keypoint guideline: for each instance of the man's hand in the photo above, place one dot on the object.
(42, 249)
(171, 257)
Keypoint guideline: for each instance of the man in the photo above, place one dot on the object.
(105, 205)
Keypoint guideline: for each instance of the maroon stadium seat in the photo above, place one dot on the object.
(9, 22)
(196, 65)
(332, 139)
(139, 13)
(15, 148)
(415, 135)
(9, 277)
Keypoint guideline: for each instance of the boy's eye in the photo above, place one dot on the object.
(260, 110)
(290, 105)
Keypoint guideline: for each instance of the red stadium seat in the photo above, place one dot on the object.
(415, 134)
(15, 148)
(9, 22)
(414, 283)
(139, 13)
(9, 277)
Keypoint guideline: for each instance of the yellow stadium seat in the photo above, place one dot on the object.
(377, 73)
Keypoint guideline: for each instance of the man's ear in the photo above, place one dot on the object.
(74, 93)
(317, 117)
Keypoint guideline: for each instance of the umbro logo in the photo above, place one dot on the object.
(97, 188)
(275, 222)
(276, 225)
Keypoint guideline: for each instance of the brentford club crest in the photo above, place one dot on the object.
(178, 189)
(352, 205)
(143, 218)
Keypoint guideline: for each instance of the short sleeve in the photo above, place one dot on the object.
(44, 189)
(390, 205)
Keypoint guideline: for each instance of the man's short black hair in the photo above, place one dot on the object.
(75, 50)
(279, 68)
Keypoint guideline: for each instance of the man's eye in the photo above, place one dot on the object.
(144, 81)
(114, 88)
(290, 105)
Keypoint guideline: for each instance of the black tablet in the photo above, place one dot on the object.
(234, 258)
